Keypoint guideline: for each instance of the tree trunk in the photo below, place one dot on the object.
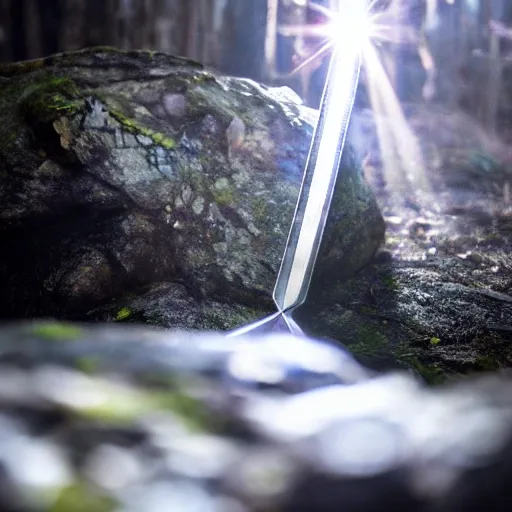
(75, 27)
(244, 38)
(227, 34)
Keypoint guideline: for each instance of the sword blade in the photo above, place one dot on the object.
(317, 188)
(320, 176)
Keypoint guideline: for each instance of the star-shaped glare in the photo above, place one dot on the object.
(371, 24)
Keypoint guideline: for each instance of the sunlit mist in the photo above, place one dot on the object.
(402, 160)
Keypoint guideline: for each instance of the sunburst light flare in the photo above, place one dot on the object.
(370, 26)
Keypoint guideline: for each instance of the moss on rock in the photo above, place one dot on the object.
(50, 97)
(132, 126)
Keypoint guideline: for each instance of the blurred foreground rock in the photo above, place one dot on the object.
(119, 418)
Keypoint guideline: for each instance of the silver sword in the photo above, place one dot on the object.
(315, 196)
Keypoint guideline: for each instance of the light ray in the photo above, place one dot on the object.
(404, 168)
(403, 164)
(323, 49)
(324, 11)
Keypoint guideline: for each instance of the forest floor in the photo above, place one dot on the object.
(438, 297)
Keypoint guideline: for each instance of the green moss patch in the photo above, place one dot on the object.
(432, 374)
(50, 97)
(224, 197)
(122, 404)
(132, 126)
(56, 331)
(123, 314)
(88, 365)
(81, 498)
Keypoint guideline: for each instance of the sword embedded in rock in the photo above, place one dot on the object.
(316, 192)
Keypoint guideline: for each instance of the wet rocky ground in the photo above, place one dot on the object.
(439, 294)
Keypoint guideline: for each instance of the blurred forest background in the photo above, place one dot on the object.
(461, 55)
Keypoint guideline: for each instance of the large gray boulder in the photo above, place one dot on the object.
(123, 174)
